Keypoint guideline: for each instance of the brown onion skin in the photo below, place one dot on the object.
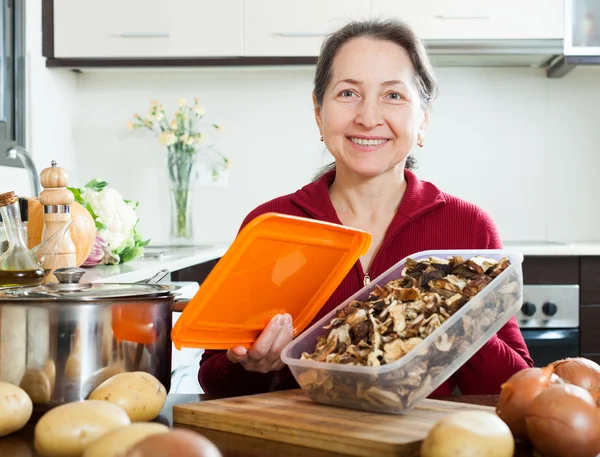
(518, 392)
(564, 421)
(579, 371)
(179, 442)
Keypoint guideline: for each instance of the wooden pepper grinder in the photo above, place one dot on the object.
(57, 201)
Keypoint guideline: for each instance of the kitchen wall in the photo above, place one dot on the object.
(51, 102)
(518, 144)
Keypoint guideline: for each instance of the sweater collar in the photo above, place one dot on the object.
(419, 197)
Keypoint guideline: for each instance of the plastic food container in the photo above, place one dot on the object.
(399, 386)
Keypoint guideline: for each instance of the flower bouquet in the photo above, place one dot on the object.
(183, 137)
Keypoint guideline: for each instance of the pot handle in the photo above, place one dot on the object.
(154, 279)
(179, 305)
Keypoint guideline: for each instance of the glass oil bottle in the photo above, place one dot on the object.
(18, 265)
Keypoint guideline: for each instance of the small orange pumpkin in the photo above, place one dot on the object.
(83, 228)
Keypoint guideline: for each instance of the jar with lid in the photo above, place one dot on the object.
(18, 265)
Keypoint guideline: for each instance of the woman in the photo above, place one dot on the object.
(373, 89)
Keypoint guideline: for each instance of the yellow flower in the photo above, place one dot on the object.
(196, 100)
(184, 137)
(199, 110)
(154, 103)
(182, 102)
(173, 124)
(167, 139)
(190, 141)
(130, 125)
(220, 128)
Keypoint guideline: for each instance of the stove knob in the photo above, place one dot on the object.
(549, 308)
(528, 309)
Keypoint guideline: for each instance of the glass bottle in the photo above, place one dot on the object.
(3, 240)
(18, 266)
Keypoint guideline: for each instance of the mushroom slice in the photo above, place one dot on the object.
(381, 396)
(397, 314)
(443, 343)
(475, 286)
(458, 282)
(455, 302)
(502, 265)
(440, 264)
(480, 264)
(394, 350)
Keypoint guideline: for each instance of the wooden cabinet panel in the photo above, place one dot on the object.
(592, 357)
(550, 270)
(295, 28)
(590, 281)
(477, 19)
(147, 28)
(589, 328)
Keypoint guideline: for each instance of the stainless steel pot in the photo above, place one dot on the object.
(60, 341)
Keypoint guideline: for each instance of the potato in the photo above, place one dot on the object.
(120, 440)
(37, 385)
(15, 408)
(469, 433)
(73, 367)
(69, 429)
(139, 393)
(176, 443)
(50, 370)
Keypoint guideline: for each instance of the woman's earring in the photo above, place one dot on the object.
(420, 142)
(321, 137)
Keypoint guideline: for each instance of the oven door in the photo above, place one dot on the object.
(548, 345)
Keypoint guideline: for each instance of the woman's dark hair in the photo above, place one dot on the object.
(385, 30)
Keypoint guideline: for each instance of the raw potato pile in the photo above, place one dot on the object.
(395, 319)
(113, 422)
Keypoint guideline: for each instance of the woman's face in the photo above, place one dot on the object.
(371, 115)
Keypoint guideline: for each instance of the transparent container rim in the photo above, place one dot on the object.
(516, 259)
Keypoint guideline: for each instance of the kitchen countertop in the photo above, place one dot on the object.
(20, 444)
(145, 267)
(179, 258)
(550, 248)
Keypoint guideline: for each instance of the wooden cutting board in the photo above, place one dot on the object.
(292, 417)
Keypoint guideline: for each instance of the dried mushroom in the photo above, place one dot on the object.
(395, 319)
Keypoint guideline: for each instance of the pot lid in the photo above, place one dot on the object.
(69, 288)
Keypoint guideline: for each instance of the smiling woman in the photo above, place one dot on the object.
(372, 94)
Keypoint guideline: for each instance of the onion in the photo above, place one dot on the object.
(100, 254)
(517, 394)
(579, 371)
(176, 443)
(564, 421)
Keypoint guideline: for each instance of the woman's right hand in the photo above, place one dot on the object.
(264, 355)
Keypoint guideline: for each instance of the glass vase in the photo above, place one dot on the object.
(182, 171)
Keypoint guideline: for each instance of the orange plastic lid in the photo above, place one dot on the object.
(277, 264)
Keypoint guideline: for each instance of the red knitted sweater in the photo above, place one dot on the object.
(426, 219)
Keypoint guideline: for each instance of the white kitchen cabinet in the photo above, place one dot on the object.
(295, 27)
(147, 28)
(477, 19)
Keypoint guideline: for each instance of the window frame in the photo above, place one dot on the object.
(12, 132)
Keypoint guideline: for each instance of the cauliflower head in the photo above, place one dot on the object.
(115, 219)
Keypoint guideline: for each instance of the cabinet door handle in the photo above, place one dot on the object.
(144, 35)
(299, 34)
(444, 17)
